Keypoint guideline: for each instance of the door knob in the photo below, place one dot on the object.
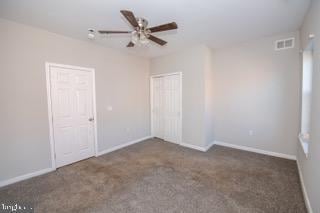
(91, 119)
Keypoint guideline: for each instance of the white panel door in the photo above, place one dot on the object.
(157, 108)
(171, 114)
(166, 107)
(72, 114)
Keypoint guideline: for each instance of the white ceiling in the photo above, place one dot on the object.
(217, 23)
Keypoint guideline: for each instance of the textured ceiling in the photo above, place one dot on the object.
(216, 23)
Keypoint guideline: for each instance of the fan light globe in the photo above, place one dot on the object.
(139, 38)
(143, 39)
(134, 37)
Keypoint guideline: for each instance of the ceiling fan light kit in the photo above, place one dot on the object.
(91, 34)
(139, 37)
(141, 34)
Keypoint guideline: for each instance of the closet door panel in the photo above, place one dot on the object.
(157, 108)
(172, 108)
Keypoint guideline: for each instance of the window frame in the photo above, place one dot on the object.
(304, 136)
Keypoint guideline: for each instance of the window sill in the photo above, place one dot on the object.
(305, 145)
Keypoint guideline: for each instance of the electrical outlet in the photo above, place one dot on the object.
(251, 132)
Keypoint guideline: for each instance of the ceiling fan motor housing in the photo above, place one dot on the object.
(143, 23)
(141, 31)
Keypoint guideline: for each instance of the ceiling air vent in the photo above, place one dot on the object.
(284, 44)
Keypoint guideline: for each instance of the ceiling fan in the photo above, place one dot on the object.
(140, 32)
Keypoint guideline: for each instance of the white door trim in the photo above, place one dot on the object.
(166, 74)
(49, 99)
(151, 101)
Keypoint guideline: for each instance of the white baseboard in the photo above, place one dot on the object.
(44, 171)
(304, 190)
(209, 145)
(123, 145)
(199, 148)
(25, 177)
(260, 151)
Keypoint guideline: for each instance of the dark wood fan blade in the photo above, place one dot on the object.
(157, 40)
(164, 27)
(130, 17)
(130, 44)
(112, 31)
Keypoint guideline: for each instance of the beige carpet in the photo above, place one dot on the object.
(156, 176)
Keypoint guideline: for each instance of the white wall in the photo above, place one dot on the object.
(191, 62)
(310, 166)
(121, 81)
(209, 100)
(257, 88)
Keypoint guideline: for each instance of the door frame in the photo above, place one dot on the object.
(48, 65)
(151, 101)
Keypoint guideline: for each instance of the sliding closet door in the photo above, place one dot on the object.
(166, 107)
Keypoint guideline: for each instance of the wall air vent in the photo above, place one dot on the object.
(284, 44)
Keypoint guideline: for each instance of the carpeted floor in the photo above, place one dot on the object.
(156, 176)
